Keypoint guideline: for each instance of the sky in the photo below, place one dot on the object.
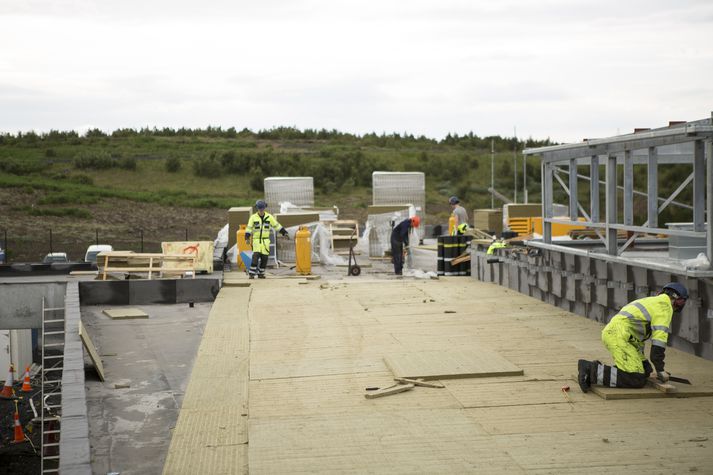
(538, 68)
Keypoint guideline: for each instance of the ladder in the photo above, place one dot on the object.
(51, 382)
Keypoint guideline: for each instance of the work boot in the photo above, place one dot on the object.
(584, 375)
(251, 276)
(261, 276)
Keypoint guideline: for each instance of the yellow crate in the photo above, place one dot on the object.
(521, 226)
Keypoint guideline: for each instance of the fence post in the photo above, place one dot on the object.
(186, 234)
(142, 241)
(96, 231)
(51, 241)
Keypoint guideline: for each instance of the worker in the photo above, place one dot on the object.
(624, 337)
(497, 244)
(399, 239)
(258, 228)
(459, 212)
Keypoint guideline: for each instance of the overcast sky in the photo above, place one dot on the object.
(551, 68)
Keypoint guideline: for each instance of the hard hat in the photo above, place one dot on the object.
(260, 204)
(679, 289)
(453, 200)
(679, 294)
(415, 221)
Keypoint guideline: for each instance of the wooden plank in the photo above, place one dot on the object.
(649, 392)
(450, 365)
(395, 389)
(125, 313)
(91, 349)
(663, 387)
(418, 382)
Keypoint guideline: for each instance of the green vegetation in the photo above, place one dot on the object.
(215, 167)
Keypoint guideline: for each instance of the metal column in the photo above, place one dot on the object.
(611, 205)
(653, 188)
(628, 188)
(699, 186)
(594, 189)
(709, 199)
(573, 211)
(546, 202)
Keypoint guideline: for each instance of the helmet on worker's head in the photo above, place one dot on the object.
(678, 293)
(260, 204)
(453, 200)
(415, 221)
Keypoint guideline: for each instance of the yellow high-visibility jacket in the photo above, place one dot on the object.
(649, 317)
(460, 229)
(496, 245)
(259, 228)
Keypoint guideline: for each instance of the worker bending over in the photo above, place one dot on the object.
(399, 239)
(624, 337)
(258, 228)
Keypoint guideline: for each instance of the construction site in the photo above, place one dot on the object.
(333, 361)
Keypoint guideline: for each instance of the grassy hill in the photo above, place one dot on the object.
(165, 184)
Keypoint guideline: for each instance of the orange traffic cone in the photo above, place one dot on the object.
(19, 434)
(26, 386)
(7, 391)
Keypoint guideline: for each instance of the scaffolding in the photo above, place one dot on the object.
(679, 143)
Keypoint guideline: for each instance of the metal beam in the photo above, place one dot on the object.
(573, 202)
(699, 186)
(653, 189)
(547, 202)
(636, 229)
(709, 200)
(611, 205)
(628, 188)
(594, 188)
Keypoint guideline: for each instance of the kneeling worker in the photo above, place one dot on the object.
(258, 228)
(399, 239)
(624, 337)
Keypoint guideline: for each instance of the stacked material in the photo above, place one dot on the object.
(450, 247)
(296, 190)
(401, 188)
(378, 229)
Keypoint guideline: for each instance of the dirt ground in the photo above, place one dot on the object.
(20, 459)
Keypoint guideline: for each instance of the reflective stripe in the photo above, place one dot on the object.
(612, 377)
(661, 328)
(600, 374)
(639, 324)
(646, 313)
(658, 343)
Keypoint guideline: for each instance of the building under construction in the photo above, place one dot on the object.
(335, 372)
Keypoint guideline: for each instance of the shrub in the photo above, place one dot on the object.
(99, 160)
(17, 167)
(207, 168)
(50, 153)
(256, 179)
(173, 164)
(61, 212)
(81, 179)
(127, 163)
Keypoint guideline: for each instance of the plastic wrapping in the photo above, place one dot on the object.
(296, 190)
(391, 188)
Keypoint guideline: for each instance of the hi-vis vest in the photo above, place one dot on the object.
(460, 229)
(259, 228)
(646, 318)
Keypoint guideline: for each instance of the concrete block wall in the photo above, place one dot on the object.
(597, 289)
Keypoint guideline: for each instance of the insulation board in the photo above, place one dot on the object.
(125, 313)
(450, 365)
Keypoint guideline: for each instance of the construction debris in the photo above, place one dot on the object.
(395, 389)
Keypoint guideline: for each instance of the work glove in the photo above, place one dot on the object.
(284, 233)
(662, 376)
(648, 369)
(247, 239)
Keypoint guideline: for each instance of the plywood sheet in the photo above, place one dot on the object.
(201, 250)
(682, 390)
(450, 364)
(91, 349)
(125, 313)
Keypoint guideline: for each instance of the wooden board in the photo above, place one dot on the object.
(201, 250)
(682, 391)
(395, 389)
(450, 365)
(91, 349)
(125, 313)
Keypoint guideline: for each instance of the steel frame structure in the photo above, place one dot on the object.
(689, 142)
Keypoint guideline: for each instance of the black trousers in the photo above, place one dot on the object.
(258, 263)
(613, 377)
(397, 253)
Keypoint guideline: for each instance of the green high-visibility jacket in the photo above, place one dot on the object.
(259, 228)
(646, 318)
(460, 229)
(496, 245)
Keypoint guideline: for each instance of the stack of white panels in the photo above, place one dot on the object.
(297, 190)
(390, 188)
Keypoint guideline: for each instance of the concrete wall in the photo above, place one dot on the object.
(21, 303)
(597, 289)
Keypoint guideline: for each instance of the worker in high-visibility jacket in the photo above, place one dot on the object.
(624, 337)
(258, 229)
(500, 244)
(460, 229)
